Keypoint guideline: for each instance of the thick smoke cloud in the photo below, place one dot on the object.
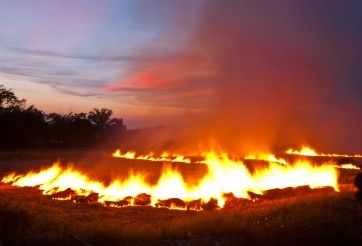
(282, 74)
(286, 73)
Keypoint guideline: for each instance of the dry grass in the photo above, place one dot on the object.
(29, 218)
(309, 218)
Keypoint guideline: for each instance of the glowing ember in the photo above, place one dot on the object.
(223, 176)
(306, 151)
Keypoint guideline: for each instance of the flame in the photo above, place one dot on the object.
(307, 151)
(9, 178)
(266, 157)
(348, 166)
(224, 175)
(180, 158)
(151, 156)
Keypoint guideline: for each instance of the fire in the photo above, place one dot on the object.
(224, 175)
(151, 156)
(180, 158)
(9, 178)
(266, 157)
(347, 166)
(307, 151)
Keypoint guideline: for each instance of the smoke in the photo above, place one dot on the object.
(282, 75)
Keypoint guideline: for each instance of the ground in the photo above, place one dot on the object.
(318, 217)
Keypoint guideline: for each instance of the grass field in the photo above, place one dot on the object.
(321, 217)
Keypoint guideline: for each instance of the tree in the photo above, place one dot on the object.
(59, 119)
(8, 100)
(81, 129)
(34, 126)
(70, 129)
(101, 118)
(60, 127)
(22, 127)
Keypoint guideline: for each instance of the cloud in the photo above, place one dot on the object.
(96, 58)
(182, 81)
(63, 89)
(177, 82)
(38, 52)
(64, 78)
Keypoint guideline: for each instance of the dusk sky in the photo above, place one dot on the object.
(66, 55)
(285, 67)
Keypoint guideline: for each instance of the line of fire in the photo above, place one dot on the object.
(216, 181)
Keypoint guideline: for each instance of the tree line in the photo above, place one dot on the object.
(24, 126)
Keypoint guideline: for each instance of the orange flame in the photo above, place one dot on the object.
(151, 156)
(307, 151)
(348, 166)
(224, 175)
(266, 157)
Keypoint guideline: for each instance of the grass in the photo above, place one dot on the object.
(303, 218)
(29, 218)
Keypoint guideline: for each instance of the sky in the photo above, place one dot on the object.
(261, 73)
(66, 55)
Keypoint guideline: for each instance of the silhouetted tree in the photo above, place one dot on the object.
(22, 127)
(8, 100)
(34, 125)
(59, 127)
(68, 128)
(81, 129)
(31, 127)
(101, 118)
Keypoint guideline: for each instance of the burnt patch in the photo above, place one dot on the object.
(142, 200)
(121, 203)
(194, 205)
(90, 199)
(210, 205)
(171, 203)
(65, 194)
(235, 202)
